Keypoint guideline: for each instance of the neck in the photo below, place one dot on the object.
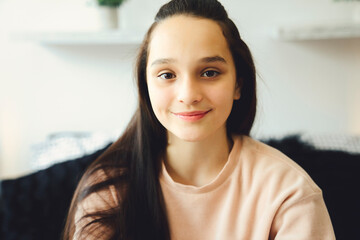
(197, 163)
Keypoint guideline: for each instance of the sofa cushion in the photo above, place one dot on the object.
(35, 206)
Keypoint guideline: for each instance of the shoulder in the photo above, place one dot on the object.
(281, 192)
(273, 168)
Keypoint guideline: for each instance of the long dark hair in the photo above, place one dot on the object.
(132, 164)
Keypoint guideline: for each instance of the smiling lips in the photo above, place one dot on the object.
(192, 116)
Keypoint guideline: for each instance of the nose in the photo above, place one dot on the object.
(189, 91)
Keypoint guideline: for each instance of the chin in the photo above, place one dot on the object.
(190, 137)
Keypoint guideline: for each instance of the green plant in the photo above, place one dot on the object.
(110, 3)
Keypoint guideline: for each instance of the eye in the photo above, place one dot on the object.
(166, 76)
(210, 74)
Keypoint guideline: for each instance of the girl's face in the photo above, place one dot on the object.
(191, 77)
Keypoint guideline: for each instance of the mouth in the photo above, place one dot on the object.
(192, 116)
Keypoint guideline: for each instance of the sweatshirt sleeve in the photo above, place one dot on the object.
(304, 219)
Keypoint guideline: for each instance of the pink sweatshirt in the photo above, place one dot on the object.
(260, 194)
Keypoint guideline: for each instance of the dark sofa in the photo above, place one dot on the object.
(34, 207)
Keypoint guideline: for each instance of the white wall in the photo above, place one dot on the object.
(308, 86)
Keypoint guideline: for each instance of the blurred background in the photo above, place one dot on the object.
(65, 76)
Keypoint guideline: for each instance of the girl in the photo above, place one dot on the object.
(186, 168)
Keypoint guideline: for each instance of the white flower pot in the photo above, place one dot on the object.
(108, 17)
(356, 13)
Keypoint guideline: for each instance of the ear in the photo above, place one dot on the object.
(237, 92)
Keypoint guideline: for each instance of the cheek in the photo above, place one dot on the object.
(222, 98)
(159, 98)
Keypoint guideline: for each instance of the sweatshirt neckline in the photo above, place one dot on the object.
(222, 176)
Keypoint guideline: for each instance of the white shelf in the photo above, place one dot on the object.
(317, 32)
(113, 37)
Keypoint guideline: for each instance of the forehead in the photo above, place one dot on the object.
(187, 36)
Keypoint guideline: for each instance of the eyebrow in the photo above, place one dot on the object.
(163, 61)
(213, 59)
(204, 60)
